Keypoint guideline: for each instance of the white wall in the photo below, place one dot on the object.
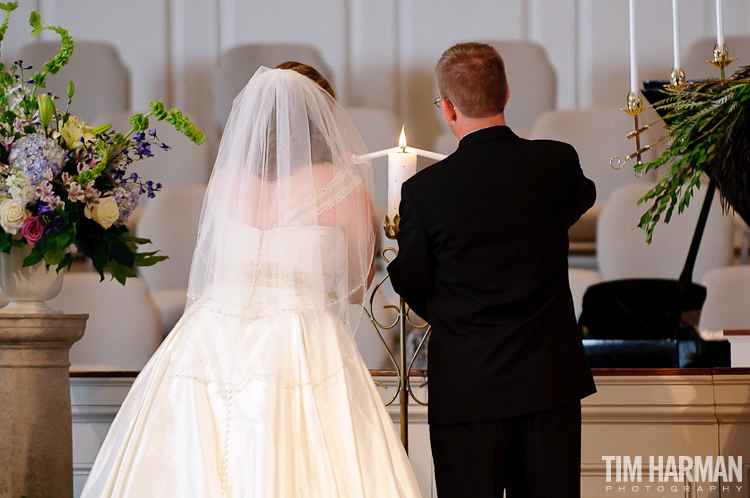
(381, 51)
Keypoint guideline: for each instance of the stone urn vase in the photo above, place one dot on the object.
(27, 288)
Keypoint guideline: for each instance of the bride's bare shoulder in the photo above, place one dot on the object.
(323, 173)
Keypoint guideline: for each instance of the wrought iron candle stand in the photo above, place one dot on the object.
(402, 320)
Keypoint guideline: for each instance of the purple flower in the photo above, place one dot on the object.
(139, 136)
(144, 150)
(164, 146)
(152, 132)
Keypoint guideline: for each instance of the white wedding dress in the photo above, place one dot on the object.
(267, 400)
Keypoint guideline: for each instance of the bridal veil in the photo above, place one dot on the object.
(286, 161)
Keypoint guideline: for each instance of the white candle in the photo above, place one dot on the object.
(633, 57)
(676, 35)
(375, 155)
(719, 26)
(401, 167)
(426, 153)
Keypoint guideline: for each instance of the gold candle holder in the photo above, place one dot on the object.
(391, 227)
(677, 78)
(634, 108)
(721, 58)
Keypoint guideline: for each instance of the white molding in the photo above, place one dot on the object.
(655, 380)
(227, 28)
(648, 414)
(177, 77)
(584, 55)
(572, 95)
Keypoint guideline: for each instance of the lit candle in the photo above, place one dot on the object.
(426, 153)
(375, 155)
(676, 36)
(633, 58)
(401, 166)
(719, 26)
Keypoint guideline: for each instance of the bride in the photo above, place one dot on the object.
(259, 390)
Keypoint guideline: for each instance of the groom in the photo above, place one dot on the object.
(483, 257)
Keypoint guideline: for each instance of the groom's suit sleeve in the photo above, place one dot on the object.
(412, 272)
(584, 190)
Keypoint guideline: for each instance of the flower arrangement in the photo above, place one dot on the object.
(708, 131)
(64, 184)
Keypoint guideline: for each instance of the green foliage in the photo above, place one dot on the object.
(96, 160)
(8, 8)
(701, 119)
(53, 65)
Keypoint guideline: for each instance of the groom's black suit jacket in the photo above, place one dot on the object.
(483, 249)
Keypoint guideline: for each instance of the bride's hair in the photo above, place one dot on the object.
(311, 73)
(320, 151)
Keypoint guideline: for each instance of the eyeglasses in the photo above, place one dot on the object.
(439, 102)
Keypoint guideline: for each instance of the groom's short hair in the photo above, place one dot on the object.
(472, 77)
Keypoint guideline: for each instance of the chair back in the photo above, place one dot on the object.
(124, 325)
(622, 251)
(238, 64)
(726, 305)
(597, 134)
(102, 81)
(532, 82)
(170, 220)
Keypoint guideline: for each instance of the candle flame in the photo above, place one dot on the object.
(402, 138)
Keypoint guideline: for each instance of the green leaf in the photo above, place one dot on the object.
(121, 273)
(139, 240)
(101, 129)
(64, 238)
(33, 258)
(66, 262)
(122, 253)
(54, 256)
(149, 258)
(46, 109)
(8, 6)
(5, 242)
(139, 122)
(35, 20)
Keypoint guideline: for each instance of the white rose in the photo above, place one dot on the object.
(12, 214)
(105, 211)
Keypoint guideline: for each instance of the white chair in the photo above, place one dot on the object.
(239, 63)
(532, 82)
(581, 279)
(597, 134)
(694, 61)
(170, 220)
(622, 251)
(380, 129)
(124, 325)
(102, 81)
(727, 298)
